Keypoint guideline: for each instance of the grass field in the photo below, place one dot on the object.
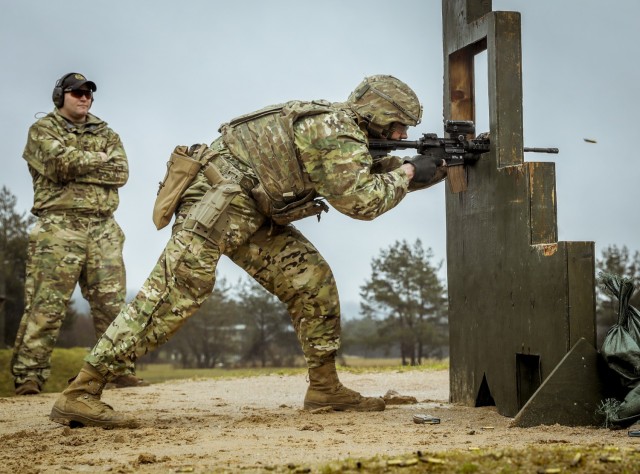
(65, 364)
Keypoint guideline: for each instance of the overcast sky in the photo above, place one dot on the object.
(170, 72)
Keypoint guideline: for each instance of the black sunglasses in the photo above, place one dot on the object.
(81, 93)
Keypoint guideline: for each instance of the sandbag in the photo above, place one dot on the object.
(621, 351)
(621, 346)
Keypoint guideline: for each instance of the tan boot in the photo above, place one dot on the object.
(29, 387)
(325, 390)
(80, 405)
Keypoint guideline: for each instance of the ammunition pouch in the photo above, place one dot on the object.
(182, 167)
(307, 205)
(207, 217)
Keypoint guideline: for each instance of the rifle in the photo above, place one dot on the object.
(456, 150)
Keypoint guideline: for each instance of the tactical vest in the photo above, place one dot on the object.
(265, 141)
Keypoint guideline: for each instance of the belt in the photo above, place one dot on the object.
(77, 213)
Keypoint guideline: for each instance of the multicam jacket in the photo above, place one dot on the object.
(67, 170)
(335, 156)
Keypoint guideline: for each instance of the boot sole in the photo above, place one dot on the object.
(341, 407)
(74, 420)
(28, 392)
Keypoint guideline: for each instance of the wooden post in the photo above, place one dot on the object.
(518, 299)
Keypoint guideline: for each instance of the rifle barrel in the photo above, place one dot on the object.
(541, 150)
(393, 144)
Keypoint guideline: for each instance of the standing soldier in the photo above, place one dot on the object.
(77, 164)
(268, 168)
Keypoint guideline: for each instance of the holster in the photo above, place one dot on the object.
(207, 217)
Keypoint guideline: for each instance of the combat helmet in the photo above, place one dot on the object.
(381, 100)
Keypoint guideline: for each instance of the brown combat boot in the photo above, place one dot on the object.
(80, 405)
(29, 387)
(325, 390)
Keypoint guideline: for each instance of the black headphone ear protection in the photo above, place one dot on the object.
(58, 92)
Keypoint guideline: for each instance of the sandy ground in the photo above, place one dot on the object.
(256, 424)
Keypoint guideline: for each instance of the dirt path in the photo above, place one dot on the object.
(256, 423)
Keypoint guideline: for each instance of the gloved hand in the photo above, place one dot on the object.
(425, 166)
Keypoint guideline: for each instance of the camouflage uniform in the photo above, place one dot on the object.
(75, 240)
(332, 151)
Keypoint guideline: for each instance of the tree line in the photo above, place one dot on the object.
(403, 309)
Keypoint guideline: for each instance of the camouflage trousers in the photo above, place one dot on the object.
(65, 250)
(281, 259)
